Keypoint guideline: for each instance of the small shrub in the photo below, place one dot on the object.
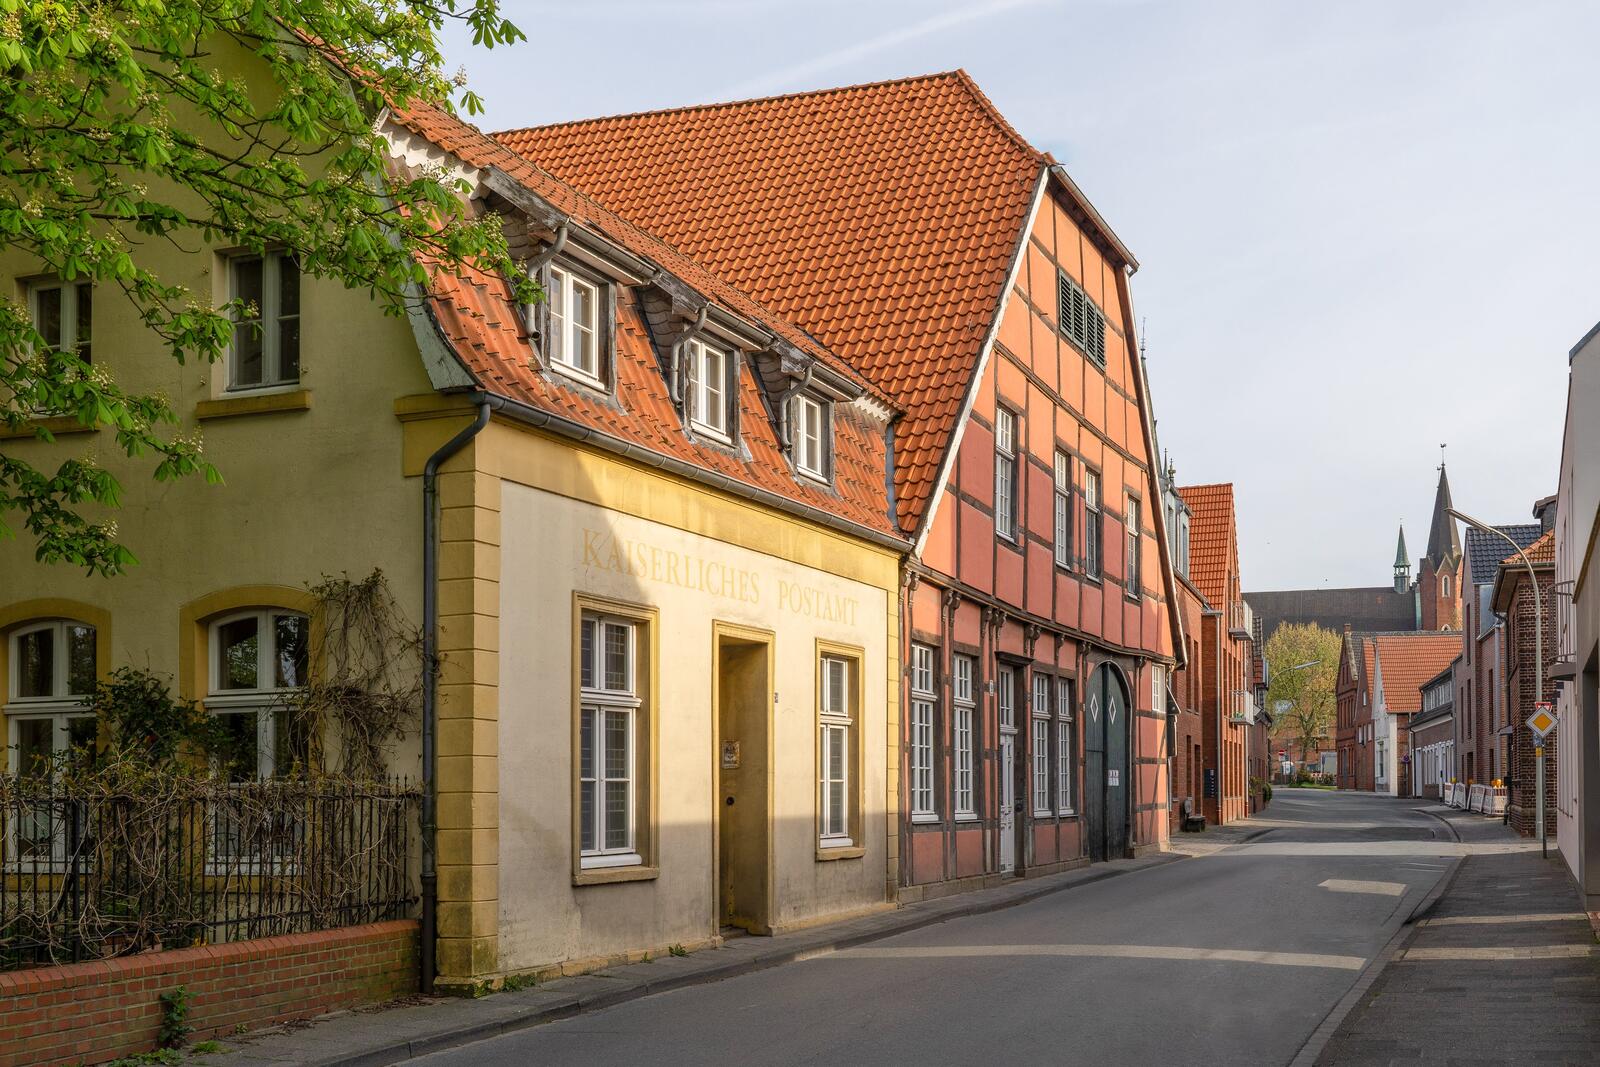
(677, 950)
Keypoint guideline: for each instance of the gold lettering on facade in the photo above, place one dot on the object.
(603, 550)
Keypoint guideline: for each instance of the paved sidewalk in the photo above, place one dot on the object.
(1503, 969)
(395, 1033)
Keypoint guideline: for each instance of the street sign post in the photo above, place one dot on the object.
(1540, 723)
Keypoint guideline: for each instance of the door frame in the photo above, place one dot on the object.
(721, 631)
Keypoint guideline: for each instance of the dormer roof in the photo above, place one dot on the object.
(487, 332)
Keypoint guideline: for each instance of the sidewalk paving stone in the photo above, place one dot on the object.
(1503, 1006)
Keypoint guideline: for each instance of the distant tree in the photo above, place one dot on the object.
(127, 124)
(1306, 696)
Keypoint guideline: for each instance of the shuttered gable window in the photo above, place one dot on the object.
(1081, 322)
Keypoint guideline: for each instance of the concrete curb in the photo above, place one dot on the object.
(1323, 1034)
(602, 990)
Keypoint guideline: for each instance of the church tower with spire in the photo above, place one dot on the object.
(1402, 564)
(1439, 573)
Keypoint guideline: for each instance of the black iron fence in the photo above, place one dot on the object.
(90, 869)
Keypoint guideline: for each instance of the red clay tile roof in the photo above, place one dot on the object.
(1213, 540)
(882, 218)
(1408, 660)
(476, 315)
(1541, 551)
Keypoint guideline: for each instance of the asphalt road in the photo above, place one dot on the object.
(1232, 957)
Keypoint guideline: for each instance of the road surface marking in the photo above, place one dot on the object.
(1132, 952)
(1352, 885)
(1499, 952)
(1496, 920)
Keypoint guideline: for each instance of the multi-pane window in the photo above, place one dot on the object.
(63, 315)
(1091, 523)
(964, 711)
(923, 697)
(608, 731)
(52, 676)
(1005, 474)
(812, 433)
(259, 659)
(710, 388)
(837, 716)
(266, 330)
(1006, 697)
(1082, 323)
(1063, 510)
(574, 325)
(1041, 744)
(1132, 528)
(1158, 687)
(1064, 745)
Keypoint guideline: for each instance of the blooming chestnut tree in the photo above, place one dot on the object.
(127, 125)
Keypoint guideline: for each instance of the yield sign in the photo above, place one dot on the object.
(1541, 721)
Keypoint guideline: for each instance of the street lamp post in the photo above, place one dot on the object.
(1538, 663)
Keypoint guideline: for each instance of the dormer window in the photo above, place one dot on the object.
(574, 342)
(710, 390)
(813, 433)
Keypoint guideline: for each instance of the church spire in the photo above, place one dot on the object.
(1402, 564)
(1444, 543)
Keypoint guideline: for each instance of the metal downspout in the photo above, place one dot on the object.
(677, 352)
(430, 666)
(785, 427)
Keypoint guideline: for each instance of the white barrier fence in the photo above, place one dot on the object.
(1488, 799)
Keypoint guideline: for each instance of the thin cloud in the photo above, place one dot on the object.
(799, 72)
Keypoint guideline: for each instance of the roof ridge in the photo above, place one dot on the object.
(720, 105)
(996, 117)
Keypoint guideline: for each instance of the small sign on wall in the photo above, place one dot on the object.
(730, 755)
(1113, 777)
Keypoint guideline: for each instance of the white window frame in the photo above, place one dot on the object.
(61, 709)
(69, 312)
(1132, 575)
(1093, 527)
(269, 317)
(566, 330)
(1158, 688)
(599, 701)
(924, 696)
(836, 718)
(813, 446)
(963, 670)
(1039, 706)
(1065, 723)
(1063, 509)
(264, 701)
(1005, 473)
(704, 397)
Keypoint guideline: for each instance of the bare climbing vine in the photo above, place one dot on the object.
(365, 694)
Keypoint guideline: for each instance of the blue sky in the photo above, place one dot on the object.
(1365, 228)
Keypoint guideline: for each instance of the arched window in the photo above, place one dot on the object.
(51, 672)
(258, 660)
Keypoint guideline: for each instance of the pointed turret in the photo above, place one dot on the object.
(1444, 543)
(1402, 564)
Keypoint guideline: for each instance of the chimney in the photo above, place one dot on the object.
(1545, 511)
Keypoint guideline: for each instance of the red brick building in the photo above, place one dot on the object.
(1379, 688)
(1353, 717)
(915, 233)
(1187, 683)
(1228, 704)
(1513, 599)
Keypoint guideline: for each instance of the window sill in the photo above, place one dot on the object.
(840, 852)
(54, 425)
(967, 816)
(253, 404)
(926, 818)
(579, 377)
(609, 875)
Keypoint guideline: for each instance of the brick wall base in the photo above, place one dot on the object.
(93, 1012)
